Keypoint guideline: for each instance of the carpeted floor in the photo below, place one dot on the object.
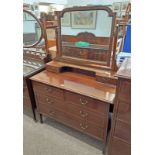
(53, 138)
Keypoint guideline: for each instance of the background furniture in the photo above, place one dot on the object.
(35, 54)
(120, 136)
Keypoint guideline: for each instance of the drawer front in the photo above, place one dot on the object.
(86, 102)
(118, 147)
(44, 100)
(106, 80)
(26, 101)
(123, 131)
(48, 90)
(73, 121)
(124, 111)
(125, 91)
(86, 115)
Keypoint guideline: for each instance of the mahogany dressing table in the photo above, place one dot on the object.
(35, 55)
(78, 86)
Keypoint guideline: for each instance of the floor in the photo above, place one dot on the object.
(53, 138)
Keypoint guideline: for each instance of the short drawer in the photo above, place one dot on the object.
(125, 91)
(106, 80)
(118, 147)
(44, 100)
(87, 102)
(123, 131)
(124, 111)
(48, 90)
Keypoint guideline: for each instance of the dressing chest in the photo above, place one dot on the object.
(78, 86)
(35, 55)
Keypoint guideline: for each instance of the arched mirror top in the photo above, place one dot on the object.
(32, 30)
(86, 36)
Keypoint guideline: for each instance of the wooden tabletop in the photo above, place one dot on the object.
(78, 83)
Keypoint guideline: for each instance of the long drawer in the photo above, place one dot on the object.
(72, 121)
(51, 91)
(119, 147)
(123, 131)
(87, 102)
(72, 109)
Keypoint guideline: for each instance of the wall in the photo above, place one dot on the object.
(29, 26)
(93, 2)
(103, 26)
(49, 1)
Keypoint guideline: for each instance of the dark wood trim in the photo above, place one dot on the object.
(42, 29)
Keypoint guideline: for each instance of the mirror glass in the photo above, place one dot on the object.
(31, 30)
(86, 35)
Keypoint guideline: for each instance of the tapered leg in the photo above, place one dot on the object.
(41, 118)
(34, 115)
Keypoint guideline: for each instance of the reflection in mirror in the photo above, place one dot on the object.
(31, 30)
(86, 35)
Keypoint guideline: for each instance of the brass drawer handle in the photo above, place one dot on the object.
(52, 112)
(82, 53)
(49, 101)
(83, 127)
(105, 79)
(83, 114)
(48, 89)
(82, 102)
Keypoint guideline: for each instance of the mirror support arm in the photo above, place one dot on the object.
(114, 66)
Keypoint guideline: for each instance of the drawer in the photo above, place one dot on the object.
(118, 147)
(123, 131)
(44, 100)
(124, 111)
(106, 80)
(125, 91)
(48, 90)
(73, 122)
(26, 101)
(86, 115)
(72, 109)
(87, 102)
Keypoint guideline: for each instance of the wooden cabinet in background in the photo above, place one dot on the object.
(120, 137)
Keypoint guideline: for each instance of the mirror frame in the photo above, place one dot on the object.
(41, 27)
(111, 63)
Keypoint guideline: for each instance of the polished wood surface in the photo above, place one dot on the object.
(120, 136)
(75, 82)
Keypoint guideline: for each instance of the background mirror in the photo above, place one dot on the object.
(86, 35)
(31, 30)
